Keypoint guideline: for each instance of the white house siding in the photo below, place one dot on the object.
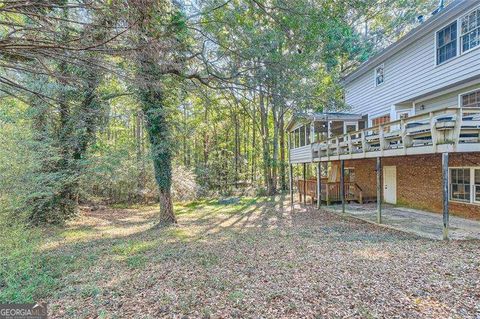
(301, 154)
(409, 74)
(450, 99)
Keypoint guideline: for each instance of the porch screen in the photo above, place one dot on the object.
(302, 136)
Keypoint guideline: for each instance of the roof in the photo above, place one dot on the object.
(330, 116)
(455, 8)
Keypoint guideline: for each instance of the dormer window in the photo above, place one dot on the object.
(379, 75)
(447, 43)
(470, 35)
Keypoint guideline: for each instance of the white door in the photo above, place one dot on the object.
(390, 184)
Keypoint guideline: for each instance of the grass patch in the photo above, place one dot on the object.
(134, 262)
(78, 234)
(236, 296)
(25, 274)
(133, 247)
(89, 291)
(178, 233)
(208, 259)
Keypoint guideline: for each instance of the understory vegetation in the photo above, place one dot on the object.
(159, 105)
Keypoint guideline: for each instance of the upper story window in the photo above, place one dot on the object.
(471, 99)
(447, 43)
(379, 75)
(470, 35)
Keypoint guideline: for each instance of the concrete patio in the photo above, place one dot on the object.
(421, 223)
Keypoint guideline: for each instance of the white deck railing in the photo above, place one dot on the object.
(447, 130)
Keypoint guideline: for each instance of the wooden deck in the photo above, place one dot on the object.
(330, 191)
(447, 130)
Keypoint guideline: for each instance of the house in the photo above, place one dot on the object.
(413, 126)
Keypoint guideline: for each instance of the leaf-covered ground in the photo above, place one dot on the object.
(255, 259)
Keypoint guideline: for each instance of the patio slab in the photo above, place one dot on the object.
(421, 223)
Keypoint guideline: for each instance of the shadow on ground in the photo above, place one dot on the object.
(255, 257)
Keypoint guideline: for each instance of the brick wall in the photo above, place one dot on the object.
(419, 180)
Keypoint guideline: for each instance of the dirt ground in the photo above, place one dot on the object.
(254, 258)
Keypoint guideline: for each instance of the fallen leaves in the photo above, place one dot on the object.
(258, 259)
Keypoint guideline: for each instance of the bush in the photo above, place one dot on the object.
(23, 277)
(184, 185)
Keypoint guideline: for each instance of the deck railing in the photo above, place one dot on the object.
(330, 191)
(451, 127)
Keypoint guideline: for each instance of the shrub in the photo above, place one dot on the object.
(184, 185)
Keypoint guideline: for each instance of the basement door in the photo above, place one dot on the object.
(390, 184)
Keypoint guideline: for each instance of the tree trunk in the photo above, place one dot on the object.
(283, 179)
(156, 124)
(273, 183)
(265, 142)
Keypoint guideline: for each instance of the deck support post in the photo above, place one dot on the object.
(291, 184)
(379, 190)
(319, 184)
(327, 189)
(445, 195)
(305, 183)
(342, 184)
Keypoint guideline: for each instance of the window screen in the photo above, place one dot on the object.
(470, 36)
(447, 43)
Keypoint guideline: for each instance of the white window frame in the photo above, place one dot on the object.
(436, 43)
(475, 200)
(472, 200)
(404, 111)
(351, 123)
(460, 96)
(460, 52)
(375, 74)
(461, 34)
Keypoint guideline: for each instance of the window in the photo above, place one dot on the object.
(403, 115)
(460, 184)
(302, 136)
(307, 130)
(447, 43)
(350, 127)
(297, 138)
(379, 75)
(471, 99)
(470, 35)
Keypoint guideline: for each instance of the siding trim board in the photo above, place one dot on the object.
(444, 92)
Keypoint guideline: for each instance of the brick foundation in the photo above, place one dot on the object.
(419, 180)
